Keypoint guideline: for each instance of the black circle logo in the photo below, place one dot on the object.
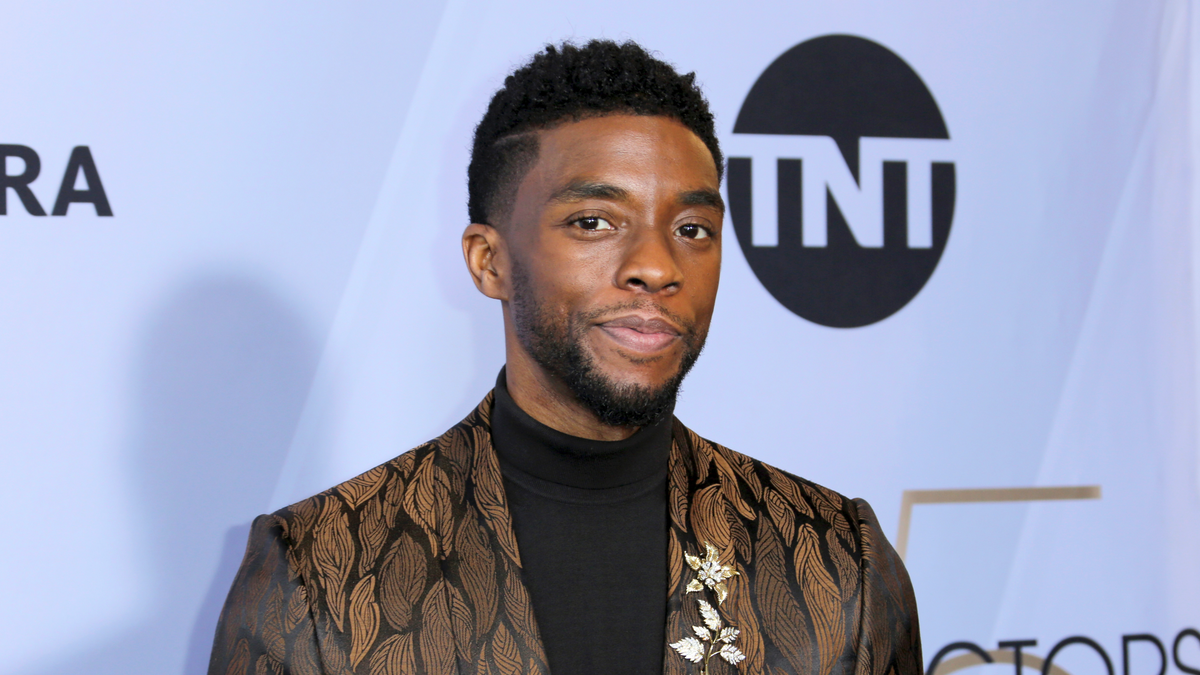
(841, 184)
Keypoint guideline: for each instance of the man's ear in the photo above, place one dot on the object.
(483, 249)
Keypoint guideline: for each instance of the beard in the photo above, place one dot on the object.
(556, 343)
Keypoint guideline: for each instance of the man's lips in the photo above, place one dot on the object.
(640, 333)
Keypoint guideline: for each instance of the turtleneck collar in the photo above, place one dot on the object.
(550, 455)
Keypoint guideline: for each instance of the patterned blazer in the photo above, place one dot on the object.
(413, 567)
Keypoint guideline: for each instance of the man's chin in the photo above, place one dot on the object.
(623, 371)
(623, 396)
(625, 381)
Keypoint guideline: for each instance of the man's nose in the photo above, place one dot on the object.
(649, 264)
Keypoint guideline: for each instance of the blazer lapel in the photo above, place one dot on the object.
(707, 507)
(492, 619)
(681, 475)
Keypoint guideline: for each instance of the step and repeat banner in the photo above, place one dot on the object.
(961, 258)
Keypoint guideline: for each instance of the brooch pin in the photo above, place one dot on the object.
(709, 572)
(713, 638)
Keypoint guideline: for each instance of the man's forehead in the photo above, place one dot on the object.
(622, 132)
(588, 150)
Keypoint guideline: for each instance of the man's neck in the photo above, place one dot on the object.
(549, 401)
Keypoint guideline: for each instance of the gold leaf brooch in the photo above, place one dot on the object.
(713, 638)
(709, 572)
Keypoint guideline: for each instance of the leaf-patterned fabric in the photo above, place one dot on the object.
(413, 567)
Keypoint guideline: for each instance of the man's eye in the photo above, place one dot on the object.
(594, 223)
(692, 231)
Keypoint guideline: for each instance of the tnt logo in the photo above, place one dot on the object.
(841, 181)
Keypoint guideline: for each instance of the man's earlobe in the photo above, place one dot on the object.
(483, 250)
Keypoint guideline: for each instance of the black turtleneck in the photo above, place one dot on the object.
(591, 522)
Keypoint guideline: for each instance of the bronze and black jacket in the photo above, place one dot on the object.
(413, 567)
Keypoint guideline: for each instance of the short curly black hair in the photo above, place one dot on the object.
(571, 83)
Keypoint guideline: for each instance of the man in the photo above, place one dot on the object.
(571, 524)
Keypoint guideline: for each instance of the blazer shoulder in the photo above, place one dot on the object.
(775, 488)
(370, 490)
(265, 623)
(820, 492)
(453, 451)
(390, 496)
(890, 638)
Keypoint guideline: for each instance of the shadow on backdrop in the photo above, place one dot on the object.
(223, 376)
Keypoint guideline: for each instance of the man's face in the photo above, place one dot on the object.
(615, 245)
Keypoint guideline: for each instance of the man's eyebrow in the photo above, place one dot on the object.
(710, 198)
(578, 191)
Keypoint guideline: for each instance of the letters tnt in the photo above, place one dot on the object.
(80, 161)
(823, 171)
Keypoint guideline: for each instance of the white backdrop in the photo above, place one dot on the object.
(278, 302)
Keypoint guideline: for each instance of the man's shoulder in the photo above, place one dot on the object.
(777, 490)
(379, 494)
(374, 494)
